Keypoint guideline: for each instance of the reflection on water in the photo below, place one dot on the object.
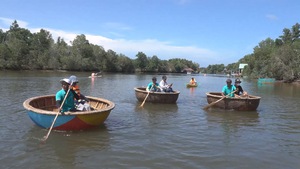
(156, 108)
(67, 149)
(156, 113)
(234, 119)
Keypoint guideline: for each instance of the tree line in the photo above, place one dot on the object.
(279, 58)
(22, 50)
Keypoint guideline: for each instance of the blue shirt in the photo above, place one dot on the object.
(69, 102)
(154, 88)
(226, 90)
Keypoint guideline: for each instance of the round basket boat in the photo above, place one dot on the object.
(42, 111)
(249, 103)
(156, 97)
(188, 85)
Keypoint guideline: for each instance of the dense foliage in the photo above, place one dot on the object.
(22, 50)
(279, 58)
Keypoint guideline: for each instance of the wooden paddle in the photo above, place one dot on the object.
(46, 137)
(213, 103)
(146, 96)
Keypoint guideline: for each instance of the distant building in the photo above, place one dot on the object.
(188, 70)
(241, 67)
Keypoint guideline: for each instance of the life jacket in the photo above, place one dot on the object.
(77, 90)
(193, 81)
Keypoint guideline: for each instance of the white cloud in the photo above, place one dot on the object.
(6, 22)
(116, 26)
(163, 50)
(271, 17)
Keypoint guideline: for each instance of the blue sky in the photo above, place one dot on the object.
(204, 31)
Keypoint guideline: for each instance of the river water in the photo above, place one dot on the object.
(158, 136)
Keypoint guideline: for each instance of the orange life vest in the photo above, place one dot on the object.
(77, 90)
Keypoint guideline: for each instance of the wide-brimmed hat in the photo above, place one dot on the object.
(237, 81)
(65, 80)
(228, 81)
(73, 79)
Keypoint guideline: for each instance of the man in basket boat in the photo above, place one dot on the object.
(72, 101)
(153, 86)
(163, 84)
(228, 89)
(239, 90)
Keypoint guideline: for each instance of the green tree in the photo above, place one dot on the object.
(40, 50)
(141, 61)
(18, 41)
(153, 64)
(125, 64)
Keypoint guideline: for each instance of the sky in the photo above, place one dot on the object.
(206, 32)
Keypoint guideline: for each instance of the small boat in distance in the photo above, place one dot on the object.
(95, 75)
(188, 85)
(249, 103)
(42, 111)
(156, 97)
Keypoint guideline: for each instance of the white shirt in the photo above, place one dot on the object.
(163, 84)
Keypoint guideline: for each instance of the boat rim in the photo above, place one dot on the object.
(144, 91)
(27, 106)
(218, 96)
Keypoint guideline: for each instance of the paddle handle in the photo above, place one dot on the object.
(213, 103)
(146, 96)
(46, 137)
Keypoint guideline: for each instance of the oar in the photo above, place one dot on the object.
(146, 97)
(213, 103)
(46, 137)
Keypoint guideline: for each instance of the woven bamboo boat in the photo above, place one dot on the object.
(156, 97)
(42, 111)
(188, 85)
(249, 103)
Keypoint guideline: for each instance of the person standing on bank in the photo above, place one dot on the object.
(163, 84)
(69, 104)
(228, 89)
(239, 90)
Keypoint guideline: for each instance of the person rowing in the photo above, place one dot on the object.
(228, 89)
(153, 86)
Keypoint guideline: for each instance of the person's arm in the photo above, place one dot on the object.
(58, 103)
(75, 94)
(233, 91)
(157, 85)
(223, 91)
(58, 100)
(148, 87)
(84, 98)
(241, 89)
(244, 93)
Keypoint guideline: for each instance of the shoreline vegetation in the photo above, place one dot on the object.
(22, 50)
